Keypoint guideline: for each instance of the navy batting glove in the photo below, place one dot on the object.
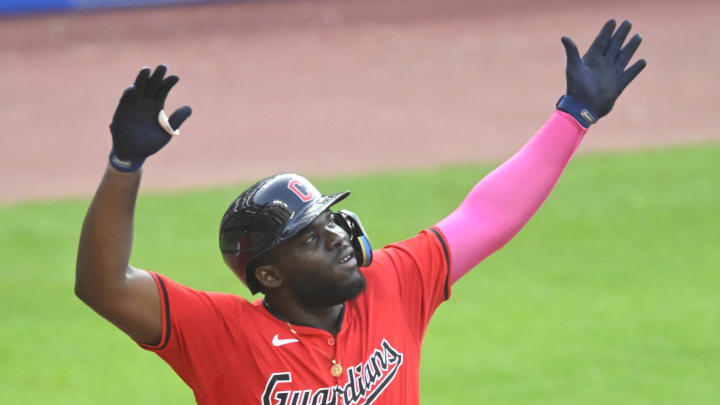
(596, 81)
(139, 126)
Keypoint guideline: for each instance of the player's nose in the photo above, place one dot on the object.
(335, 236)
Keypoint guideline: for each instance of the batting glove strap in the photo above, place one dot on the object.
(577, 109)
(123, 165)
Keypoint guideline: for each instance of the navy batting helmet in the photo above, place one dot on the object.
(272, 211)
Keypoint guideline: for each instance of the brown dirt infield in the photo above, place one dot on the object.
(333, 87)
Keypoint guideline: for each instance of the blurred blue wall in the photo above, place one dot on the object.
(29, 6)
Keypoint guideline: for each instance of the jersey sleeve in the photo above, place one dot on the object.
(191, 322)
(420, 268)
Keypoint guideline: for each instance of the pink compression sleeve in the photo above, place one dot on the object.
(502, 202)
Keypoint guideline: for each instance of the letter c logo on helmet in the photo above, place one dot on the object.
(300, 190)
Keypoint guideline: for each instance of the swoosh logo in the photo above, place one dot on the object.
(279, 342)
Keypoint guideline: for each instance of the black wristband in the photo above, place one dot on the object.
(126, 166)
(577, 109)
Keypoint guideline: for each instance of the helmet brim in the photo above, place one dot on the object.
(306, 216)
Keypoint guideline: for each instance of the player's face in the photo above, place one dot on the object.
(318, 265)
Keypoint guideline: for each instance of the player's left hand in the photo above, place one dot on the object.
(600, 76)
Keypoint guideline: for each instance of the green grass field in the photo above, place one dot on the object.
(610, 295)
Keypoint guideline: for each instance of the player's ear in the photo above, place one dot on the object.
(268, 275)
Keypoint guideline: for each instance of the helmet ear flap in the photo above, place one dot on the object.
(358, 238)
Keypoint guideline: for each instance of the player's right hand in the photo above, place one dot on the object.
(600, 76)
(138, 128)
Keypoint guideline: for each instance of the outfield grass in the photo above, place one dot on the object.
(610, 295)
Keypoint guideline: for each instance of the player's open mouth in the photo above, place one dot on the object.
(346, 258)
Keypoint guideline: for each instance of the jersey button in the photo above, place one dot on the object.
(331, 341)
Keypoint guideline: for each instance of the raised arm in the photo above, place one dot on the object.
(502, 202)
(104, 280)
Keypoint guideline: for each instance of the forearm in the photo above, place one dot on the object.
(502, 202)
(106, 237)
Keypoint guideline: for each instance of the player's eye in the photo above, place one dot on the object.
(310, 239)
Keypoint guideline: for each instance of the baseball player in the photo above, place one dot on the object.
(338, 323)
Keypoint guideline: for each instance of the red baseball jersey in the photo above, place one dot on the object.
(231, 351)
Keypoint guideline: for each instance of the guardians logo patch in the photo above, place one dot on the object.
(366, 382)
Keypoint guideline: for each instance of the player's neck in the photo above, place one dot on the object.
(326, 318)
